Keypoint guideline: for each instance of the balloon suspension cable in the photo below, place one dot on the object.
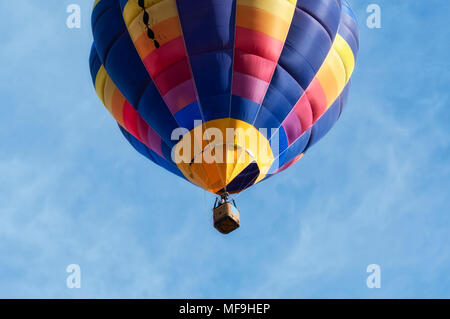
(225, 196)
(146, 20)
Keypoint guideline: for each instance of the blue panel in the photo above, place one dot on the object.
(154, 111)
(208, 25)
(325, 123)
(243, 109)
(105, 33)
(212, 74)
(126, 69)
(349, 19)
(297, 65)
(278, 142)
(187, 115)
(267, 120)
(208, 29)
(283, 83)
(296, 148)
(123, 3)
(306, 47)
(282, 95)
(245, 179)
(166, 152)
(326, 12)
(344, 96)
(347, 10)
(94, 63)
(118, 54)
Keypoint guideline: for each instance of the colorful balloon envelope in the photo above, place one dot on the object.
(223, 93)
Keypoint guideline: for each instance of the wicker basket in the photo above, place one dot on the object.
(225, 218)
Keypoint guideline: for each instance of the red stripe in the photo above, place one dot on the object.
(292, 126)
(253, 65)
(154, 141)
(317, 99)
(169, 53)
(129, 119)
(258, 43)
(298, 120)
(142, 129)
(172, 76)
(304, 112)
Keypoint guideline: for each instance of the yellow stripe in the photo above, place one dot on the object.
(100, 80)
(346, 54)
(110, 87)
(118, 101)
(165, 31)
(280, 8)
(332, 76)
(158, 11)
(262, 21)
(336, 70)
(163, 19)
(110, 95)
(95, 3)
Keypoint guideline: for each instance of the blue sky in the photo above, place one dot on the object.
(373, 191)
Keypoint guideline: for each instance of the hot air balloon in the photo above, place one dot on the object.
(176, 73)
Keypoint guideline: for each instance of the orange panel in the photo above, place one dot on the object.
(165, 31)
(262, 21)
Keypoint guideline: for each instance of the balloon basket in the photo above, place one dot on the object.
(226, 218)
